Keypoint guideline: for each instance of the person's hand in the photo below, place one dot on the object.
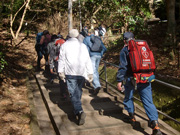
(62, 76)
(90, 78)
(51, 70)
(119, 86)
(57, 58)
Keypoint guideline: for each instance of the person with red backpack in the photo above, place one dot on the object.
(128, 80)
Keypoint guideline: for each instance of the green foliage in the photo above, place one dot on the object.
(17, 4)
(121, 13)
(160, 9)
(172, 55)
(111, 73)
(2, 62)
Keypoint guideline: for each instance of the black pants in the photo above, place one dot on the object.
(40, 52)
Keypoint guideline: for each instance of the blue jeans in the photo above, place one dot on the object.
(74, 85)
(145, 93)
(95, 59)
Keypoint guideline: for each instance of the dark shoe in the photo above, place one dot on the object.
(96, 91)
(132, 119)
(52, 81)
(64, 96)
(38, 69)
(81, 118)
(155, 128)
(87, 83)
(47, 69)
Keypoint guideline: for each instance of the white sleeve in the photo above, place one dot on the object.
(61, 60)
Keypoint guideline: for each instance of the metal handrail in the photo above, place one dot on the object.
(164, 83)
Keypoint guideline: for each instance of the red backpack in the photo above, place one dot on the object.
(142, 61)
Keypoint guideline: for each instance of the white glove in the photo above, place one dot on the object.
(90, 78)
(62, 76)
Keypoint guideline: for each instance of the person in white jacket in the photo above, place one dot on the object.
(74, 65)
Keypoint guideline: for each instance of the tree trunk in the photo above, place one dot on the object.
(80, 20)
(70, 14)
(151, 2)
(94, 16)
(170, 6)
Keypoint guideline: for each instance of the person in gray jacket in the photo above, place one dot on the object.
(53, 50)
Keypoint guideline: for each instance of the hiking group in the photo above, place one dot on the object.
(75, 61)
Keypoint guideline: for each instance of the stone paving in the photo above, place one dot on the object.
(104, 113)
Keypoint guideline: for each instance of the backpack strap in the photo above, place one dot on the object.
(92, 38)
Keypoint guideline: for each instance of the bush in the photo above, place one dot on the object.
(2, 62)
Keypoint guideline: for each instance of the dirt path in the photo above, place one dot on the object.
(14, 106)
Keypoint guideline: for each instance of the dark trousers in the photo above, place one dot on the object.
(40, 52)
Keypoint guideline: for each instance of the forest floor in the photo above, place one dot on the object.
(15, 116)
(15, 113)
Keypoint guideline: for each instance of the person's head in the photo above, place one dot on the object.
(73, 33)
(103, 26)
(84, 31)
(85, 28)
(53, 37)
(67, 37)
(96, 28)
(60, 36)
(45, 32)
(128, 36)
(91, 31)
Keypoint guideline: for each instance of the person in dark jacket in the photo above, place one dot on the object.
(38, 48)
(125, 75)
(45, 39)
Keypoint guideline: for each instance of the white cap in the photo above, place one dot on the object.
(73, 33)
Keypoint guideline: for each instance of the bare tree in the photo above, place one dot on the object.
(13, 17)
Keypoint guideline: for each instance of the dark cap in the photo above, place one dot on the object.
(45, 32)
(53, 37)
(128, 35)
(60, 36)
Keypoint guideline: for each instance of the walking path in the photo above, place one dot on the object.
(104, 113)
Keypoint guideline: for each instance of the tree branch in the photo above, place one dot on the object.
(97, 10)
(11, 16)
(22, 19)
(18, 11)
